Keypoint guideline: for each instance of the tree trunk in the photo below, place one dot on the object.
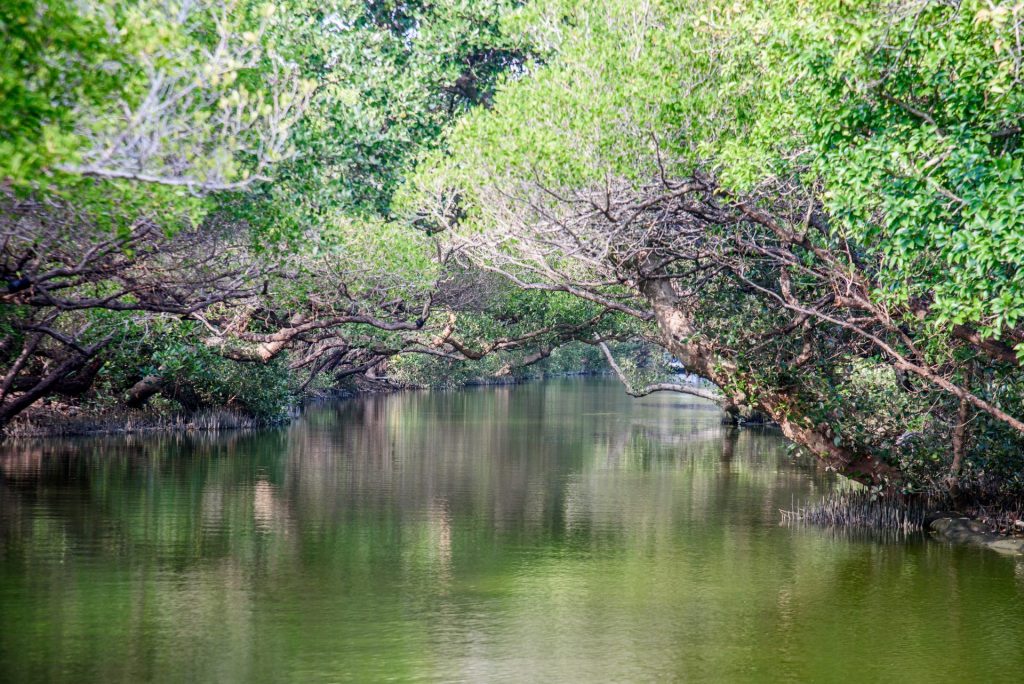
(81, 381)
(529, 360)
(959, 447)
(158, 383)
(697, 356)
(75, 384)
(142, 391)
(14, 405)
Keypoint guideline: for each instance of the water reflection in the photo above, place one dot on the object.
(553, 532)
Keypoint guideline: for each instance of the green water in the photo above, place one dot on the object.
(549, 532)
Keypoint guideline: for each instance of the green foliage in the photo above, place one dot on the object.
(901, 121)
(430, 371)
(93, 94)
(52, 56)
(209, 90)
(920, 156)
(195, 375)
(392, 76)
(907, 123)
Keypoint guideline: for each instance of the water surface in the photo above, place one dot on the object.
(553, 532)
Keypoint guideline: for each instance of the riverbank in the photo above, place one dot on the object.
(855, 509)
(56, 420)
(955, 529)
(64, 419)
(998, 528)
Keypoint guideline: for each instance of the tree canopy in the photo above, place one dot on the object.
(811, 203)
(816, 201)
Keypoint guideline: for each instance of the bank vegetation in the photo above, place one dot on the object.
(813, 205)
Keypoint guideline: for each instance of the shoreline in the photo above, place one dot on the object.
(41, 425)
(1000, 529)
(74, 421)
(965, 531)
(69, 420)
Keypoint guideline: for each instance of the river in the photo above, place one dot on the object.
(556, 531)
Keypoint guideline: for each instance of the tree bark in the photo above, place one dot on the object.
(959, 447)
(536, 357)
(657, 387)
(75, 384)
(142, 391)
(697, 356)
(15, 404)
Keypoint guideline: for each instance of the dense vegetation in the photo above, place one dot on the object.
(814, 204)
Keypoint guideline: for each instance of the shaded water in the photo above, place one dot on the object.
(547, 532)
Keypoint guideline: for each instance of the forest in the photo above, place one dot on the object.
(817, 206)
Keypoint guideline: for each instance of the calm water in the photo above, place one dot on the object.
(548, 532)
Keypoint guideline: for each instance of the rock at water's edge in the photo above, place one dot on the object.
(967, 531)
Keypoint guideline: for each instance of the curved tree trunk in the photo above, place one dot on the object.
(74, 384)
(536, 357)
(142, 391)
(158, 383)
(681, 338)
(75, 370)
(71, 375)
